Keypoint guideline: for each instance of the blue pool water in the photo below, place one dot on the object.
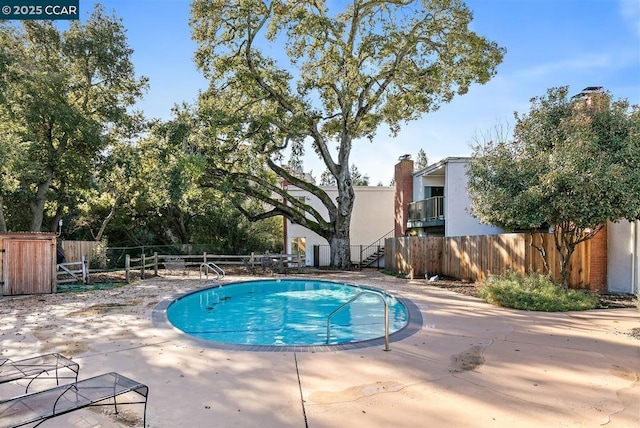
(284, 313)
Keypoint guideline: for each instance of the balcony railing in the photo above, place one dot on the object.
(427, 210)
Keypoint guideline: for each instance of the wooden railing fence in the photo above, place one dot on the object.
(473, 258)
(73, 271)
(143, 264)
(94, 251)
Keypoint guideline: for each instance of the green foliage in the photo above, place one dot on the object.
(346, 73)
(572, 164)
(65, 97)
(148, 194)
(326, 179)
(566, 163)
(535, 292)
(422, 161)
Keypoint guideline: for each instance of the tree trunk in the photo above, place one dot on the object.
(543, 252)
(3, 223)
(340, 253)
(340, 242)
(179, 221)
(105, 222)
(565, 257)
(37, 206)
(565, 247)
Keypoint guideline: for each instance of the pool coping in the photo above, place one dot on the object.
(160, 320)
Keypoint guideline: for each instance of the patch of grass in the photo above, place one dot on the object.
(397, 275)
(79, 288)
(535, 292)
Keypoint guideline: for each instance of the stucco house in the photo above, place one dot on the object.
(371, 220)
(434, 200)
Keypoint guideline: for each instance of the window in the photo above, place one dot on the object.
(298, 245)
(433, 191)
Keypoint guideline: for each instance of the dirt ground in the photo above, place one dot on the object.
(465, 353)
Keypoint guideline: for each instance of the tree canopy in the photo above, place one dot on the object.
(66, 96)
(572, 164)
(72, 147)
(358, 179)
(422, 161)
(336, 76)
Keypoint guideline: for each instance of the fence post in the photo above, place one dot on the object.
(155, 263)
(144, 262)
(85, 270)
(127, 266)
(316, 256)
(204, 258)
(360, 260)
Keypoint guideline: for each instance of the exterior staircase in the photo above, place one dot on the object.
(373, 257)
(370, 255)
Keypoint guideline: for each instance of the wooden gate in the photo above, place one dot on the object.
(28, 263)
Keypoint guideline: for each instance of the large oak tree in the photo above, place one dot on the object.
(284, 74)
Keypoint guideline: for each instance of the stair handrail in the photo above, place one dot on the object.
(214, 267)
(375, 243)
(382, 238)
(356, 297)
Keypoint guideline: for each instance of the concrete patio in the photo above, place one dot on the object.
(471, 365)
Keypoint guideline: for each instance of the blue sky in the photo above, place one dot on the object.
(549, 43)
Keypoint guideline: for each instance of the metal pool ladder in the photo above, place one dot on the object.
(213, 267)
(356, 297)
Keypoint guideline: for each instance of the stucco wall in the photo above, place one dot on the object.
(372, 217)
(622, 257)
(458, 220)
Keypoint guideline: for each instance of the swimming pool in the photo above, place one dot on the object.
(285, 313)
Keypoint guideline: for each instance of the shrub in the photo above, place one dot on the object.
(535, 292)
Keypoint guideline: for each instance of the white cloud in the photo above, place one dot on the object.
(584, 62)
(630, 12)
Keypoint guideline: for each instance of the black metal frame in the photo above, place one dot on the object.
(39, 367)
(87, 393)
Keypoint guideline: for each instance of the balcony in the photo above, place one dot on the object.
(426, 213)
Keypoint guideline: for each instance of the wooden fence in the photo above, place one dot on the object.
(94, 251)
(473, 258)
(181, 263)
(73, 272)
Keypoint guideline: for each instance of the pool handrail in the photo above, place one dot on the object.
(357, 296)
(214, 267)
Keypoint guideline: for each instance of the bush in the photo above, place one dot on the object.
(535, 292)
